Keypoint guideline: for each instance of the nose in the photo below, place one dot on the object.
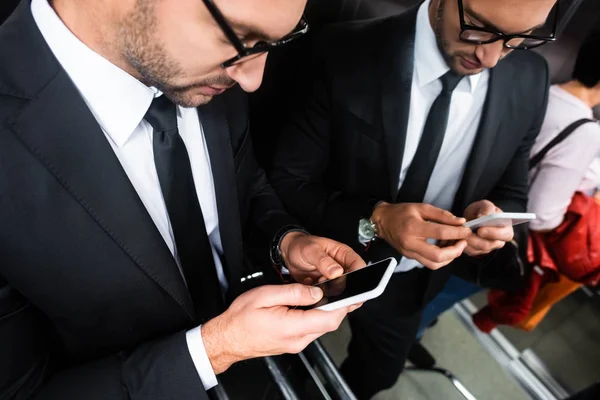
(249, 74)
(490, 54)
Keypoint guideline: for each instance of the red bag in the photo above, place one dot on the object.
(575, 244)
(571, 250)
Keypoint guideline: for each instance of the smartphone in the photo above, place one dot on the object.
(501, 219)
(356, 286)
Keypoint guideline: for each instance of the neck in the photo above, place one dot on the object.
(93, 22)
(590, 96)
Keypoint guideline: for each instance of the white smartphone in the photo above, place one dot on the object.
(501, 219)
(356, 286)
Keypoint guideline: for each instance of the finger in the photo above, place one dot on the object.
(486, 208)
(319, 321)
(293, 294)
(427, 263)
(473, 252)
(327, 266)
(438, 254)
(484, 246)
(345, 256)
(477, 243)
(505, 233)
(307, 278)
(437, 231)
(317, 255)
(431, 213)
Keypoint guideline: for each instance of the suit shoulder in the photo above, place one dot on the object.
(530, 65)
(357, 36)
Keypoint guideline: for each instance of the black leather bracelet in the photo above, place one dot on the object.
(275, 253)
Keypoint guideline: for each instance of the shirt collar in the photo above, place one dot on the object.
(117, 100)
(429, 62)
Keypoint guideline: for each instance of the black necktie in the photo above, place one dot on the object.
(419, 172)
(177, 185)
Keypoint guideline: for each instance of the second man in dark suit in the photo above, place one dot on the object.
(418, 123)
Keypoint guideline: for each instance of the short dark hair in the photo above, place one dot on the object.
(587, 65)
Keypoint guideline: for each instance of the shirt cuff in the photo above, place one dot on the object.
(200, 358)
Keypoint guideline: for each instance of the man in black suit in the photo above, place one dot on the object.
(124, 194)
(418, 122)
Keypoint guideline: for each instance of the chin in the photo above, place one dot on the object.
(189, 100)
(200, 100)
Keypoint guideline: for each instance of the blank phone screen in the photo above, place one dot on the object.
(351, 284)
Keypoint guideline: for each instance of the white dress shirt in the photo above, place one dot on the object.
(466, 107)
(119, 102)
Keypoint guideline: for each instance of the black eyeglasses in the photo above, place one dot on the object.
(247, 53)
(477, 35)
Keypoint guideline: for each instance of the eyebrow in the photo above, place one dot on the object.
(249, 33)
(490, 25)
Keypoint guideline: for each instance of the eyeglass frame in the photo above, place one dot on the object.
(258, 48)
(502, 36)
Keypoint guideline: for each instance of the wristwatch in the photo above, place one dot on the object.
(367, 231)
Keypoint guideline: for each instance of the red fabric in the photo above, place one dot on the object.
(505, 308)
(572, 250)
(575, 244)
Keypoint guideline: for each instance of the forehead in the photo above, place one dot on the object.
(273, 17)
(511, 15)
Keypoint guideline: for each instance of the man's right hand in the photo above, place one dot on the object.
(407, 226)
(262, 323)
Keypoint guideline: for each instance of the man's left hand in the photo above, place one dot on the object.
(489, 238)
(311, 259)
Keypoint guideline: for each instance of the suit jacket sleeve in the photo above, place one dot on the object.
(267, 213)
(265, 216)
(299, 170)
(31, 363)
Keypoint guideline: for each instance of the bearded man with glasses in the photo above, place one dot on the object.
(128, 187)
(417, 123)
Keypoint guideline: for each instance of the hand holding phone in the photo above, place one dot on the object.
(409, 227)
(492, 228)
(356, 286)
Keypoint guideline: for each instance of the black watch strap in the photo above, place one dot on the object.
(275, 253)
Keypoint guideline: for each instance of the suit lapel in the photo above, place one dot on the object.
(487, 134)
(397, 71)
(216, 132)
(60, 130)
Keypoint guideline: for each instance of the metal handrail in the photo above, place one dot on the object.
(334, 380)
(218, 392)
(448, 375)
(280, 379)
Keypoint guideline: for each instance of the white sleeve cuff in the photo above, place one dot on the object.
(200, 358)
